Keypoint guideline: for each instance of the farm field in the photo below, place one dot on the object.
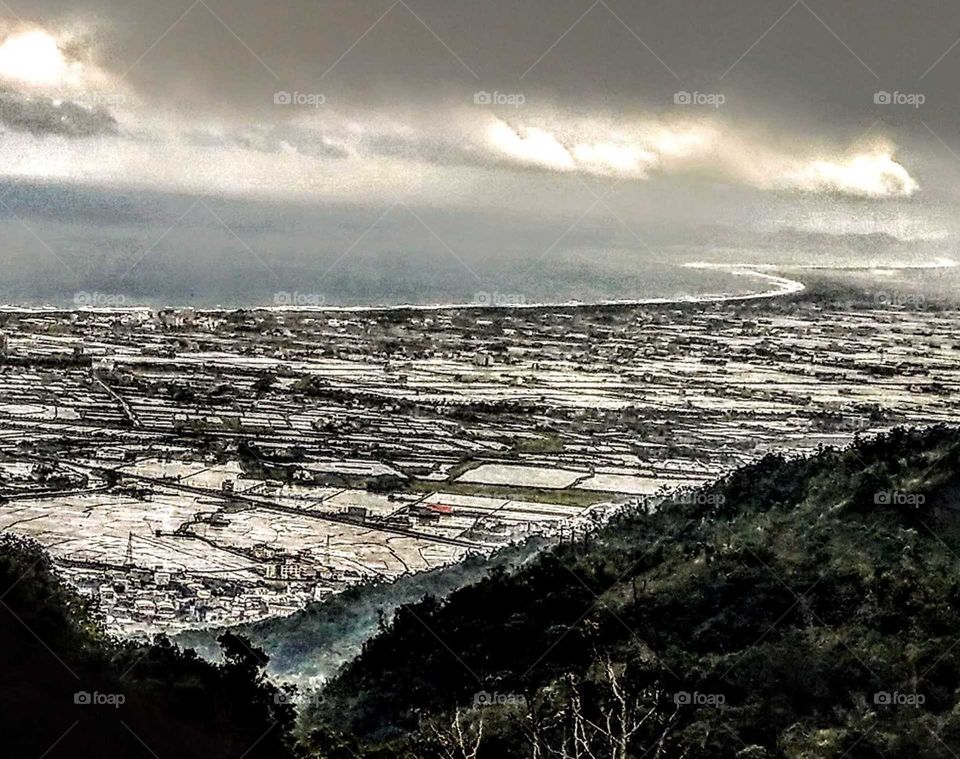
(190, 468)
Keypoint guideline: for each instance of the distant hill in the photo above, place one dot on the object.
(799, 607)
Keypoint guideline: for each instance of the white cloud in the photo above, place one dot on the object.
(614, 159)
(699, 148)
(870, 175)
(531, 145)
(33, 57)
(36, 60)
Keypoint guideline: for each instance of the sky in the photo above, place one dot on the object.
(433, 150)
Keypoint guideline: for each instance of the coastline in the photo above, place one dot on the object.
(781, 286)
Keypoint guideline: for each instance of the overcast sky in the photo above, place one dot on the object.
(519, 128)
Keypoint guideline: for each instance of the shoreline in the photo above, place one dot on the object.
(782, 286)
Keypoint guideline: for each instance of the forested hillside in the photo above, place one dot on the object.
(67, 690)
(797, 608)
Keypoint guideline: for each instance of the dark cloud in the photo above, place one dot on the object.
(809, 69)
(817, 58)
(44, 116)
